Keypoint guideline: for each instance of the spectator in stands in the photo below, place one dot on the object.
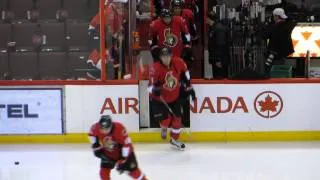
(280, 43)
(218, 46)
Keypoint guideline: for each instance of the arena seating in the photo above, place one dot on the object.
(6, 35)
(23, 34)
(20, 8)
(45, 47)
(54, 36)
(24, 65)
(77, 64)
(53, 65)
(77, 35)
(4, 65)
(48, 8)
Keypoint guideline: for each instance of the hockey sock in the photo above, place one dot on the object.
(176, 128)
(105, 173)
(165, 123)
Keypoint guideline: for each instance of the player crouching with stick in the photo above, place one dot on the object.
(165, 81)
(110, 143)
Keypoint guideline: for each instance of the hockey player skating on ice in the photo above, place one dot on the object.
(110, 143)
(165, 81)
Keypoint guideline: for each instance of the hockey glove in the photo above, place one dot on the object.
(121, 166)
(156, 91)
(191, 92)
(155, 52)
(105, 161)
(187, 54)
(126, 165)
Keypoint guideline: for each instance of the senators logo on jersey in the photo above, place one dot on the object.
(170, 39)
(109, 144)
(170, 81)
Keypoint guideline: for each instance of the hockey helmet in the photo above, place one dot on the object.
(105, 122)
(166, 16)
(177, 3)
(166, 13)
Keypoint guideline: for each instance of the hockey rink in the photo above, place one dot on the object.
(215, 161)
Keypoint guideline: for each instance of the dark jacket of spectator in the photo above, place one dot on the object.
(279, 35)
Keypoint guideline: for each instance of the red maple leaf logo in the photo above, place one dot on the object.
(268, 105)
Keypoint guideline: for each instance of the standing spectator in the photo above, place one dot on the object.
(218, 46)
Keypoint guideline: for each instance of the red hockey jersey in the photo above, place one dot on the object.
(113, 19)
(169, 79)
(188, 16)
(169, 35)
(188, 3)
(113, 142)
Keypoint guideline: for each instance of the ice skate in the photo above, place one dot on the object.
(164, 132)
(177, 144)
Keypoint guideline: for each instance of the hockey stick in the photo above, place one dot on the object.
(120, 58)
(172, 113)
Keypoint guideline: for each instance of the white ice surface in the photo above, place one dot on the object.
(216, 161)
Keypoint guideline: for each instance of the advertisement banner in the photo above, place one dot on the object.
(255, 107)
(85, 104)
(31, 111)
(306, 37)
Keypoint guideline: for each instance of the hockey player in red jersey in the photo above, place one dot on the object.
(111, 143)
(172, 32)
(165, 81)
(165, 4)
(179, 10)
